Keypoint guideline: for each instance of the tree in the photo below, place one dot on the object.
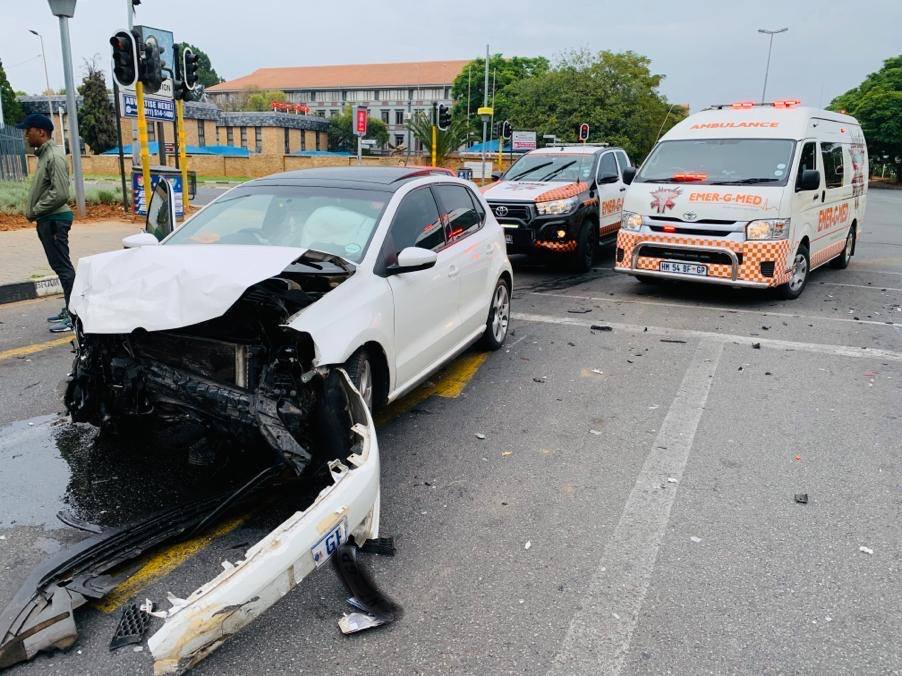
(614, 93)
(96, 116)
(12, 111)
(446, 141)
(206, 74)
(469, 85)
(341, 131)
(256, 99)
(877, 104)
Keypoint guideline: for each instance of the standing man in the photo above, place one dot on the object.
(48, 205)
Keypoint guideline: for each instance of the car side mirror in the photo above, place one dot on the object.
(629, 173)
(810, 180)
(610, 178)
(139, 239)
(412, 259)
(160, 220)
(496, 175)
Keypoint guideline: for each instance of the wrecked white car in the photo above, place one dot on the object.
(277, 317)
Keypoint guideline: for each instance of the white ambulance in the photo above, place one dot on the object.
(746, 194)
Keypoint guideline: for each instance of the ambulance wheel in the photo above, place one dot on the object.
(798, 276)
(586, 245)
(841, 262)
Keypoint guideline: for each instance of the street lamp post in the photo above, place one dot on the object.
(65, 10)
(47, 90)
(769, 49)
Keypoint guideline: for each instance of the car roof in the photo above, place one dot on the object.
(573, 149)
(376, 178)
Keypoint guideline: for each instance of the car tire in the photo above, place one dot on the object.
(801, 269)
(360, 369)
(586, 248)
(498, 322)
(841, 262)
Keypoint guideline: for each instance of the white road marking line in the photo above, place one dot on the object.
(519, 340)
(788, 345)
(713, 308)
(599, 635)
(877, 272)
(861, 286)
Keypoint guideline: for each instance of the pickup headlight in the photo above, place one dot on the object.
(769, 228)
(631, 221)
(557, 207)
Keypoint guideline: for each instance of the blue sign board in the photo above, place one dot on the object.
(139, 197)
(154, 109)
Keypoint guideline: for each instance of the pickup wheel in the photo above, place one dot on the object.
(586, 246)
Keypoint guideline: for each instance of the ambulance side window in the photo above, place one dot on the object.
(808, 160)
(831, 154)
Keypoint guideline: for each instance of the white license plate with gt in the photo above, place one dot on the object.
(683, 268)
(324, 549)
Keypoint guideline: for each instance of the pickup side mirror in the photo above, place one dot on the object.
(412, 259)
(139, 239)
(629, 173)
(809, 180)
(609, 178)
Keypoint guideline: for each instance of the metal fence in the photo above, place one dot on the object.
(13, 166)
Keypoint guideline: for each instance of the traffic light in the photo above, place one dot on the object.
(125, 59)
(444, 117)
(506, 130)
(151, 66)
(583, 132)
(189, 67)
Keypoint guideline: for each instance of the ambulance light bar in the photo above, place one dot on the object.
(740, 105)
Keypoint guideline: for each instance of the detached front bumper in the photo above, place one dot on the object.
(756, 265)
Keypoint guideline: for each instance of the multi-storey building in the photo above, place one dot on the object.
(391, 91)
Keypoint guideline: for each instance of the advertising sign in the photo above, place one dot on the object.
(159, 109)
(523, 140)
(361, 115)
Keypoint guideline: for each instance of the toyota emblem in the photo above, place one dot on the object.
(690, 216)
(501, 211)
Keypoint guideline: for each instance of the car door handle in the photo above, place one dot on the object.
(622, 189)
(453, 271)
(823, 195)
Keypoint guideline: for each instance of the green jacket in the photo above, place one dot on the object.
(49, 194)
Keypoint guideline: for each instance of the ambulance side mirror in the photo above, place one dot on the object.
(629, 173)
(810, 180)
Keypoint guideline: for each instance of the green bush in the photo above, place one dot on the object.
(14, 194)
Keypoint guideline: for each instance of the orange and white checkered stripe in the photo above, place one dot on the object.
(827, 254)
(753, 254)
(562, 192)
(557, 247)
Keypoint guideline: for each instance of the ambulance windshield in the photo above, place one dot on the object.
(719, 162)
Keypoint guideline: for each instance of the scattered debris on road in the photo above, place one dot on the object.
(672, 340)
(528, 544)
(579, 310)
(377, 608)
(131, 628)
(601, 327)
(480, 436)
(866, 550)
(801, 498)
(695, 539)
(756, 346)
(539, 380)
(672, 480)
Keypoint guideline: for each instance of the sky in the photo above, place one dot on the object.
(710, 52)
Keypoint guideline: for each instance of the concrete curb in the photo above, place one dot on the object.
(33, 288)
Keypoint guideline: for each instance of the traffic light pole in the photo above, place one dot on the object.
(434, 133)
(119, 144)
(142, 139)
(183, 153)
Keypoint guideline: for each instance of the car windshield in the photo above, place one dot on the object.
(719, 162)
(338, 221)
(546, 167)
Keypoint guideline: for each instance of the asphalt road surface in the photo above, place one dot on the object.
(631, 507)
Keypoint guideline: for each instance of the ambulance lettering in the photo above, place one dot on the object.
(734, 125)
(832, 216)
(727, 198)
(611, 206)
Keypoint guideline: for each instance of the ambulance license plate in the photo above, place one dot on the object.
(508, 238)
(324, 549)
(683, 268)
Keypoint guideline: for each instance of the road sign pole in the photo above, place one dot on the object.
(142, 139)
(119, 144)
(183, 153)
(72, 111)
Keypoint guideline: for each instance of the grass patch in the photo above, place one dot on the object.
(14, 194)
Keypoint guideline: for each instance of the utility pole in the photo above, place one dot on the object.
(769, 49)
(47, 90)
(485, 104)
(65, 10)
(136, 157)
(434, 122)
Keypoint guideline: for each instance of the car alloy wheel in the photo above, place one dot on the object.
(501, 308)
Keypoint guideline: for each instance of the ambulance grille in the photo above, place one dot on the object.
(700, 256)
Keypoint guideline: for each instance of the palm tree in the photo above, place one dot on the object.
(447, 140)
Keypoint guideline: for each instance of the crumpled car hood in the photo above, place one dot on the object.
(167, 287)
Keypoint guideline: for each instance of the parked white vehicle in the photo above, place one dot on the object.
(751, 195)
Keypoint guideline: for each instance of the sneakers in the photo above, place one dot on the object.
(59, 316)
(64, 326)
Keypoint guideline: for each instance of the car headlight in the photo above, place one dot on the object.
(631, 221)
(768, 228)
(557, 207)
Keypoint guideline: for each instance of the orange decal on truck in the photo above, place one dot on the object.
(561, 193)
(611, 206)
(832, 216)
(729, 198)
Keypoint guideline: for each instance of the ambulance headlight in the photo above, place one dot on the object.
(769, 228)
(631, 221)
(557, 207)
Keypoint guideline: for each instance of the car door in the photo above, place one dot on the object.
(806, 203)
(427, 322)
(610, 194)
(834, 216)
(470, 251)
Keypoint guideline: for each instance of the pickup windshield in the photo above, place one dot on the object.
(565, 167)
(719, 162)
(339, 221)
